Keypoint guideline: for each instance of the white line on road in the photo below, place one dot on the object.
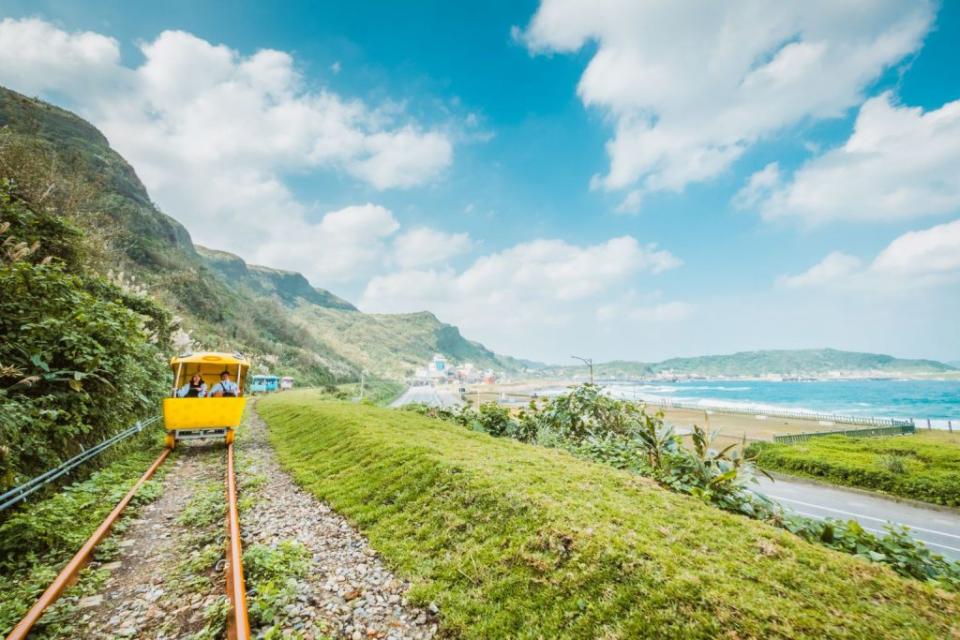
(923, 540)
(860, 515)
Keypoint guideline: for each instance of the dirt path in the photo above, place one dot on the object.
(346, 591)
(149, 592)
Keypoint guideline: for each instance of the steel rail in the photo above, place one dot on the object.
(238, 625)
(68, 574)
(23, 491)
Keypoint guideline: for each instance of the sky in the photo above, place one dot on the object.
(614, 179)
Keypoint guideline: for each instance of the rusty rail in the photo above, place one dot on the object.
(68, 575)
(238, 626)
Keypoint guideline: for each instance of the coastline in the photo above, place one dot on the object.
(756, 420)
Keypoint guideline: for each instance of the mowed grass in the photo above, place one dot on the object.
(514, 540)
(924, 466)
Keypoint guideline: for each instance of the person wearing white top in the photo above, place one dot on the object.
(226, 388)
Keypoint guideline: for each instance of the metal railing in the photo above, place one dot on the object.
(21, 492)
(853, 433)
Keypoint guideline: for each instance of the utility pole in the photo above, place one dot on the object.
(361, 385)
(588, 362)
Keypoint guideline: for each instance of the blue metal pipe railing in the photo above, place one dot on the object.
(21, 492)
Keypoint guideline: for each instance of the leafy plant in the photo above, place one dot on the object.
(271, 573)
(80, 358)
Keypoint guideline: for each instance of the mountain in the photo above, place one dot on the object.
(387, 345)
(784, 362)
(276, 317)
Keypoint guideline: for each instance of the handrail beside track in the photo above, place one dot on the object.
(23, 491)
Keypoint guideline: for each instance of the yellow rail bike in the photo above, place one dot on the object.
(207, 399)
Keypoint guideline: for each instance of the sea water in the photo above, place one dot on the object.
(937, 400)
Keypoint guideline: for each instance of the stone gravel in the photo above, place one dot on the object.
(348, 591)
(138, 599)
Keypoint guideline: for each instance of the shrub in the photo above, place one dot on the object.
(79, 358)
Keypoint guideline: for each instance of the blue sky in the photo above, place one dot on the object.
(553, 177)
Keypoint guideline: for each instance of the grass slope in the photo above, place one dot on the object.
(513, 540)
(925, 466)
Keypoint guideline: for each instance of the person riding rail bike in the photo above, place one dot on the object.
(225, 388)
(195, 388)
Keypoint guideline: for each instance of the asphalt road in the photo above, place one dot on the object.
(939, 530)
(431, 396)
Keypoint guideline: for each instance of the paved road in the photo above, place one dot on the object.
(939, 530)
(432, 396)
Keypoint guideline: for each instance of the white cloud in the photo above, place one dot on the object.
(758, 186)
(423, 246)
(533, 285)
(403, 158)
(914, 260)
(830, 270)
(38, 57)
(899, 163)
(214, 133)
(644, 312)
(690, 86)
(927, 252)
(346, 245)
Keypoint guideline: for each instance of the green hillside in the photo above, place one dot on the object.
(276, 317)
(798, 362)
(386, 345)
(783, 362)
(519, 541)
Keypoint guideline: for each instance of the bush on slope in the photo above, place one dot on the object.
(519, 541)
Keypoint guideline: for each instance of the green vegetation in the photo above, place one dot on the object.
(392, 346)
(80, 358)
(621, 434)
(271, 574)
(801, 362)
(38, 539)
(375, 391)
(513, 540)
(201, 549)
(924, 466)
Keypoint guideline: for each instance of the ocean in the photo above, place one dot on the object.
(936, 400)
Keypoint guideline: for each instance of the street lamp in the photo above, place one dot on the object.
(589, 363)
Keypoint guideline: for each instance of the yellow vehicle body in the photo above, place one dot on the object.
(202, 413)
(207, 417)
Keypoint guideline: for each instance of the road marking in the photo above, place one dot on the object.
(866, 517)
(923, 540)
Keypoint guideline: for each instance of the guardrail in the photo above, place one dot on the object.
(853, 433)
(21, 492)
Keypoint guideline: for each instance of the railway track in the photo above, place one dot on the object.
(238, 626)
